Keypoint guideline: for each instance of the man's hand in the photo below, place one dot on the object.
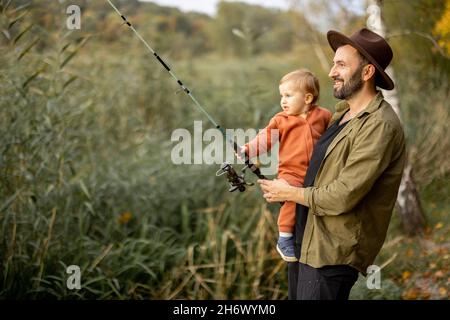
(279, 190)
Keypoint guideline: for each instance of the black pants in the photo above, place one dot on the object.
(326, 283)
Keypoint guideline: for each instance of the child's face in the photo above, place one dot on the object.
(293, 101)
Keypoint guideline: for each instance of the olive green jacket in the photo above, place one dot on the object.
(355, 189)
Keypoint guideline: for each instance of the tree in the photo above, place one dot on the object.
(442, 29)
(408, 202)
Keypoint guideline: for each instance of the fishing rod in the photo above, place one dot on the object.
(236, 181)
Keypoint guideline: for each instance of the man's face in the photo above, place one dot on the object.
(346, 72)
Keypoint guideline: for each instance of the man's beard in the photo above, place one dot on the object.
(352, 86)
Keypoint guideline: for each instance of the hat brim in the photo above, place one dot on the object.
(337, 39)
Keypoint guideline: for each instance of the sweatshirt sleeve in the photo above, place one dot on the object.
(264, 140)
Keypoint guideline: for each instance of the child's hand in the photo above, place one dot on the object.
(241, 153)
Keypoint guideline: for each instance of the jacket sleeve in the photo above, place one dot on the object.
(370, 155)
(264, 140)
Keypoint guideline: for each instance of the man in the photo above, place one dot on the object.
(351, 185)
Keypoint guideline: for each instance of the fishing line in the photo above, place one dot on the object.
(237, 181)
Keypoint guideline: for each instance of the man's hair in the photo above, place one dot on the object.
(305, 81)
(363, 61)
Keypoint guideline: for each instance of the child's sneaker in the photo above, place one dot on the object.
(285, 248)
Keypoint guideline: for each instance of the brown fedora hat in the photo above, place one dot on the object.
(370, 45)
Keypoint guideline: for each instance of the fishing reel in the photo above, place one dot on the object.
(237, 182)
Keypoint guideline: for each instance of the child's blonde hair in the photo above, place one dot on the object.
(305, 81)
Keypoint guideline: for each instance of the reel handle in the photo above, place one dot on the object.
(236, 182)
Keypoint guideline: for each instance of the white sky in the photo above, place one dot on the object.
(209, 6)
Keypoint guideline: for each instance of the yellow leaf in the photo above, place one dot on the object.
(442, 29)
(439, 225)
(125, 217)
(410, 294)
(442, 292)
(410, 253)
(406, 275)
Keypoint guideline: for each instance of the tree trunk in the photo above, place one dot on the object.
(408, 202)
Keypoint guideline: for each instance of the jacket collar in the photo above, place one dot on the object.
(342, 107)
